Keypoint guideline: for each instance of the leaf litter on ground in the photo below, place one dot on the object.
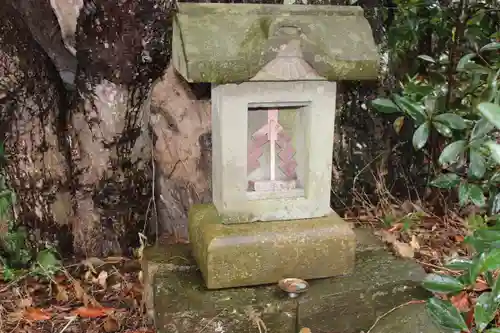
(91, 296)
(432, 240)
(105, 294)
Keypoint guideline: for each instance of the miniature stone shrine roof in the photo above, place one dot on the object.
(223, 43)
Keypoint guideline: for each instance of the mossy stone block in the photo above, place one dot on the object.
(235, 255)
(348, 304)
(223, 43)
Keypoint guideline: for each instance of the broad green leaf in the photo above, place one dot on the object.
(446, 181)
(475, 68)
(486, 261)
(495, 289)
(452, 120)
(490, 47)
(484, 311)
(426, 58)
(443, 129)
(459, 263)
(482, 127)
(48, 261)
(446, 315)
(476, 267)
(414, 110)
(477, 166)
(463, 194)
(488, 276)
(452, 152)
(420, 136)
(475, 221)
(385, 105)
(491, 91)
(494, 150)
(464, 60)
(495, 204)
(491, 261)
(493, 330)
(489, 234)
(398, 124)
(442, 283)
(476, 195)
(491, 112)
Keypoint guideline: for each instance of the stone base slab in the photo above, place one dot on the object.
(264, 252)
(176, 296)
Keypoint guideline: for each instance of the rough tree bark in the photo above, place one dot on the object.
(32, 113)
(181, 124)
(122, 48)
(44, 26)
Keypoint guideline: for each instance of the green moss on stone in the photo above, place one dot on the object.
(346, 304)
(223, 43)
(231, 255)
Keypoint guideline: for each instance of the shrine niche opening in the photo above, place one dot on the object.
(276, 156)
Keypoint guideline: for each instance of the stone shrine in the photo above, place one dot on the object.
(273, 70)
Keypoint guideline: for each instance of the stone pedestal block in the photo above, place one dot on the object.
(177, 297)
(264, 252)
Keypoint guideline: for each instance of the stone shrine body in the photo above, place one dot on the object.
(273, 70)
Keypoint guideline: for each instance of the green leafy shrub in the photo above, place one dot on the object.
(451, 98)
(15, 255)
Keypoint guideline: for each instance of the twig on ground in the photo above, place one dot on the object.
(71, 319)
(437, 267)
(392, 310)
(209, 322)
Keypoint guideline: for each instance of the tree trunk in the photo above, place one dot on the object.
(44, 27)
(181, 124)
(32, 114)
(122, 47)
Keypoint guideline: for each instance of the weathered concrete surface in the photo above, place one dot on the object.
(408, 319)
(223, 43)
(352, 303)
(182, 304)
(264, 252)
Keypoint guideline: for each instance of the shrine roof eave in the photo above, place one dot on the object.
(223, 43)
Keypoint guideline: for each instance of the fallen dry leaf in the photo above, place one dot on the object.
(481, 285)
(62, 294)
(36, 314)
(461, 301)
(414, 243)
(92, 312)
(403, 249)
(305, 330)
(25, 302)
(79, 292)
(111, 325)
(92, 262)
(115, 260)
(396, 227)
(101, 279)
(386, 236)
